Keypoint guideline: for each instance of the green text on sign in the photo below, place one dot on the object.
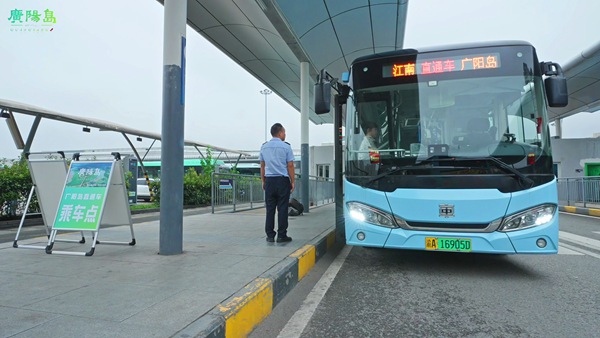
(84, 196)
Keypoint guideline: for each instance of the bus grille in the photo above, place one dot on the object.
(453, 226)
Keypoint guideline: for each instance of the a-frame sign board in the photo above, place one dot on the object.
(48, 176)
(94, 195)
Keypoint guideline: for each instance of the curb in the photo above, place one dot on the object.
(29, 221)
(238, 315)
(581, 211)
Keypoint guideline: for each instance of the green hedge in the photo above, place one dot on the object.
(15, 184)
(196, 188)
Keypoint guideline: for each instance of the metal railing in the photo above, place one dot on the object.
(579, 191)
(233, 192)
(12, 208)
(321, 191)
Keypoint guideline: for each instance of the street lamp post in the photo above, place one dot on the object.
(266, 92)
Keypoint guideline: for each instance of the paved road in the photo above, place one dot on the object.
(392, 293)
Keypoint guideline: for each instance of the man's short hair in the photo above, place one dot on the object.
(276, 129)
(370, 125)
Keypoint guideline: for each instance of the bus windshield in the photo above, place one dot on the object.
(450, 113)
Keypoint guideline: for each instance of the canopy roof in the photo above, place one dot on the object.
(583, 84)
(269, 38)
(17, 107)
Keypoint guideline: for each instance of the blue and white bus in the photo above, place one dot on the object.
(461, 160)
(153, 168)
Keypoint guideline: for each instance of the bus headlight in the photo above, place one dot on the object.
(365, 213)
(540, 215)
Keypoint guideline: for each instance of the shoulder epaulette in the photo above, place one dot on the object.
(288, 143)
(265, 143)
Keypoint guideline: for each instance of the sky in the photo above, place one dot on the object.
(104, 60)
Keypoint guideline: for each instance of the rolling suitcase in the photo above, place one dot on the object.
(296, 208)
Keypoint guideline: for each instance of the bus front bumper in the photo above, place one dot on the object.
(526, 241)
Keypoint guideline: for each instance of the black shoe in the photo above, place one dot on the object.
(284, 239)
(270, 239)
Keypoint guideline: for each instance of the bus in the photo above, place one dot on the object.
(247, 168)
(153, 168)
(461, 158)
(253, 168)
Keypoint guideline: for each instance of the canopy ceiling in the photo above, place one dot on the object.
(269, 38)
(583, 84)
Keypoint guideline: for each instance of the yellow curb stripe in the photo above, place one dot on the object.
(330, 240)
(570, 209)
(242, 314)
(306, 259)
(594, 212)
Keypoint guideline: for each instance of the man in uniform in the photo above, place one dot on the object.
(277, 174)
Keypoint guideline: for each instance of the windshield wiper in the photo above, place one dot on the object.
(525, 181)
(413, 167)
(529, 183)
(387, 173)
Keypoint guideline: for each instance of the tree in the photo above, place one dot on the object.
(15, 184)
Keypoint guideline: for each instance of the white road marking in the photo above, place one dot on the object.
(564, 251)
(300, 319)
(579, 215)
(589, 253)
(580, 240)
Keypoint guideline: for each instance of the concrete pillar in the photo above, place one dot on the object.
(558, 128)
(304, 99)
(171, 185)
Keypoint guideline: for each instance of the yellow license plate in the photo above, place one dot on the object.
(448, 244)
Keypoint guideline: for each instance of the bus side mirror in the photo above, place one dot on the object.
(322, 98)
(556, 91)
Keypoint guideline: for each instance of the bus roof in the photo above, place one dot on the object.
(190, 162)
(411, 51)
(247, 165)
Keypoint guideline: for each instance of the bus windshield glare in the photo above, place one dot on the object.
(451, 114)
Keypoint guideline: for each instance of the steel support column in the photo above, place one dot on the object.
(340, 230)
(304, 98)
(171, 190)
(32, 131)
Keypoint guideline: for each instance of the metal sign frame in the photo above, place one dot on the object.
(47, 176)
(108, 206)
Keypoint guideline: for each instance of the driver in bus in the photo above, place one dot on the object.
(369, 142)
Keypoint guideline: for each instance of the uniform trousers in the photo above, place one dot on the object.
(277, 196)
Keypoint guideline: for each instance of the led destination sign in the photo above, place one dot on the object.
(443, 65)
